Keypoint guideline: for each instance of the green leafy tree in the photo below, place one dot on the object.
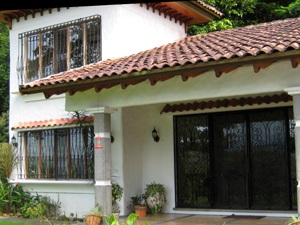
(238, 13)
(4, 127)
(4, 67)
(292, 10)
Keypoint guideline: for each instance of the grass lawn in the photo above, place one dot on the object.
(30, 223)
(12, 223)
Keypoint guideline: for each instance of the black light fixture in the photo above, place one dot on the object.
(112, 138)
(14, 141)
(155, 135)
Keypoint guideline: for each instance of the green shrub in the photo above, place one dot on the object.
(8, 160)
(39, 207)
(13, 199)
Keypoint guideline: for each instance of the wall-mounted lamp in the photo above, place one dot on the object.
(14, 141)
(112, 138)
(155, 135)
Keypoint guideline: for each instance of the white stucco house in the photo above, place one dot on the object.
(89, 84)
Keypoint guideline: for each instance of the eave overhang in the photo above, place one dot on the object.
(187, 71)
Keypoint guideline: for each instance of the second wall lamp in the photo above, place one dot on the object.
(155, 135)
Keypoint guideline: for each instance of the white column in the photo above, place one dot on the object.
(295, 92)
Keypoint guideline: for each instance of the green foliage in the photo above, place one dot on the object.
(8, 160)
(39, 207)
(4, 68)
(154, 188)
(33, 210)
(132, 219)
(4, 127)
(155, 194)
(238, 13)
(138, 200)
(117, 192)
(292, 10)
(95, 211)
(12, 223)
(222, 24)
(292, 220)
(13, 199)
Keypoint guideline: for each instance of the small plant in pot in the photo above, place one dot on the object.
(93, 217)
(138, 202)
(155, 195)
(117, 193)
(293, 220)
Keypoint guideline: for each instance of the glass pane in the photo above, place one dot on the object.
(32, 154)
(93, 30)
(48, 47)
(76, 45)
(192, 157)
(62, 146)
(230, 144)
(33, 57)
(47, 154)
(268, 160)
(61, 49)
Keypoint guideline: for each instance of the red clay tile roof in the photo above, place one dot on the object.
(211, 8)
(221, 51)
(52, 123)
(184, 107)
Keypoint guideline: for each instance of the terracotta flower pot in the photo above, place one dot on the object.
(140, 210)
(93, 220)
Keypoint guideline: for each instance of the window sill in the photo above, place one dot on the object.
(34, 181)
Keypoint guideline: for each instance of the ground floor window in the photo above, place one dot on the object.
(57, 153)
(236, 160)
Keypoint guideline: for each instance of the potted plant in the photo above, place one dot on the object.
(293, 221)
(139, 205)
(94, 217)
(132, 219)
(155, 195)
(117, 193)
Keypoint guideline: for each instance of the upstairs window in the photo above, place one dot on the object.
(59, 48)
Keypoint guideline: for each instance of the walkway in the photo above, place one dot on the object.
(181, 219)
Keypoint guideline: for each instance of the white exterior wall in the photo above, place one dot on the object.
(139, 106)
(126, 29)
(240, 82)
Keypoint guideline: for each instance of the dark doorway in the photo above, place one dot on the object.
(236, 160)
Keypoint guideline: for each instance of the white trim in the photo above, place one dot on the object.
(103, 183)
(33, 181)
(101, 109)
(103, 134)
(292, 90)
(297, 123)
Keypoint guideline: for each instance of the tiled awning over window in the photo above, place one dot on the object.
(225, 103)
(53, 123)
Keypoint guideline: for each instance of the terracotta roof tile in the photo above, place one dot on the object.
(52, 123)
(254, 40)
(168, 108)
